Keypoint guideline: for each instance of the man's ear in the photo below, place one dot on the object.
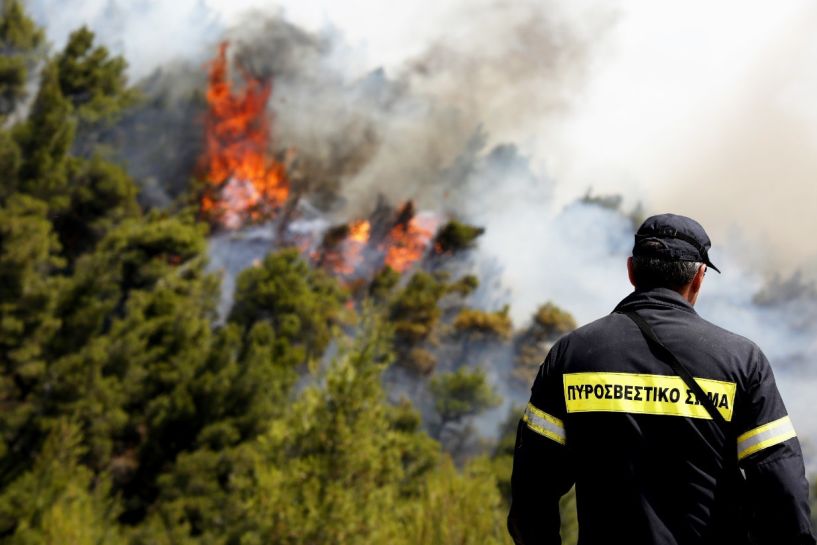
(695, 285)
(630, 274)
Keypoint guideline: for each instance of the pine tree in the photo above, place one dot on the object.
(59, 500)
(479, 326)
(461, 394)
(20, 44)
(45, 139)
(301, 304)
(532, 345)
(136, 328)
(334, 469)
(242, 389)
(28, 298)
(457, 507)
(455, 237)
(10, 160)
(91, 79)
(101, 196)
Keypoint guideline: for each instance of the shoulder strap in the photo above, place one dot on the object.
(679, 369)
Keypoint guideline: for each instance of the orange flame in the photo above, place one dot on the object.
(344, 258)
(406, 243)
(359, 232)
(403, 245)
(244, 181)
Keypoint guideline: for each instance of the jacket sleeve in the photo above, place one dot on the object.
(770, 455)
(541, 470)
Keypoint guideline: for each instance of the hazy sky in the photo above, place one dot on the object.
(704, 108)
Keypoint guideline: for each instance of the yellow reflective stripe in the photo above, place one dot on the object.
(544, 424)
(645, 394)
(765, 436)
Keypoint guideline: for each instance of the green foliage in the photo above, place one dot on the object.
(17, 31)
(10, 161)
(458, 507)
(44, 140)
(135, 338)
(420, 360)
(58, 500)
(383, 283)
(813, 501)
(465, 285)
(531, 346)
(300, 303)
(28, 253)
(502, 458)
(484, 325)
(569, 522)
(418, 453)
(552, 321)
(462, 393)
(28, 297)
(82, 83)
(455, 236)
(333, 469)
(101, 196)
(422, 310)
(614, 202)
(414, 310)
(91, 79)
(609, 202)
(134, 256)
(234, 396)
(20, 40)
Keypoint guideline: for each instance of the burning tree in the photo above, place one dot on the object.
(391, 238)
(244, 181)
(407, 240)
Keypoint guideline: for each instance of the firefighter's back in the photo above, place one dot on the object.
(653, 413)
(651, 466)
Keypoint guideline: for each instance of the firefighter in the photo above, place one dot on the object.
(652, 461)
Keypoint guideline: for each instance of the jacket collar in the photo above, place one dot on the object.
(654, 298)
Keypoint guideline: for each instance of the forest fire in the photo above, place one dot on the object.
(406, 243)
(244, 181)
(341, 251)
(245, 184)
(359, 232)
(397, 239)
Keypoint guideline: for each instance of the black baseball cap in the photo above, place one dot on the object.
(671, 236)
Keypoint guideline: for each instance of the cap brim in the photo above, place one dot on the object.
(710, 265)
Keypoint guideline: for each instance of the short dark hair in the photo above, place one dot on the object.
(654, 272)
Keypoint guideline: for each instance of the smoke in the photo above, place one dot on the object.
(149, 33)
(706, 110)
(765, 163)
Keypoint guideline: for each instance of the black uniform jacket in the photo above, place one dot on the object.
(649, 464)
